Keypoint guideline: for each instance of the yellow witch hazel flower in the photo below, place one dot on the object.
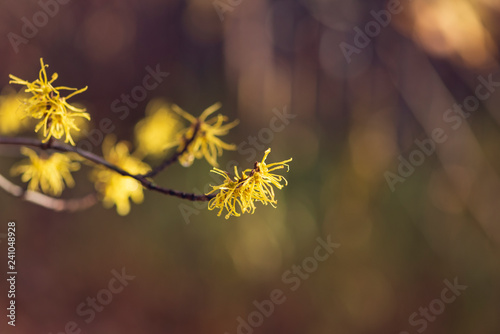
(206, 142)
(11, 115)
(156, 131)
(238, 196)
(49, 173)
(115, 188)
(46, 103)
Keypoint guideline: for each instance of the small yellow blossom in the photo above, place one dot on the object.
(206, 142)
(11, 115)
(115, 188)
(238, 196)
(157, 129)
(56, 115)
(49, 173)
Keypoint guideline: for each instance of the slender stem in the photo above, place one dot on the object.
(168, 161)
(61, 147)
(48, 202)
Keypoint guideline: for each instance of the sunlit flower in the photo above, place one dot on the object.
(115, 188)
(56, 115)
(11, 115)
(238, 195)
(157, 129)
(48, 173)
(206, 142)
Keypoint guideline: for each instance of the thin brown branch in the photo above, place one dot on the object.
(170, 160)
(48, 202)
(61, 147)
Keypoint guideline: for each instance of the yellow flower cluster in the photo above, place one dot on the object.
(56, 115)
(156, 130)
(160, 130)
(238, 196)
(49, 173)
(115, 188)
(11, 116)
(206, 142)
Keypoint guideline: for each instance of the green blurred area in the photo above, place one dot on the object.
(355, 121)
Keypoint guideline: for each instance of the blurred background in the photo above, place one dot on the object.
(361, 83)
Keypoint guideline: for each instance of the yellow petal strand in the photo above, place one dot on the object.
(46, 103)
(184, 114)
(239, 196)
(210, 110)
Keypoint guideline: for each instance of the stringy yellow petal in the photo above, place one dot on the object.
(56, 115)
(206, 142)
(239, 195)
(116, 189)
(50, 174)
